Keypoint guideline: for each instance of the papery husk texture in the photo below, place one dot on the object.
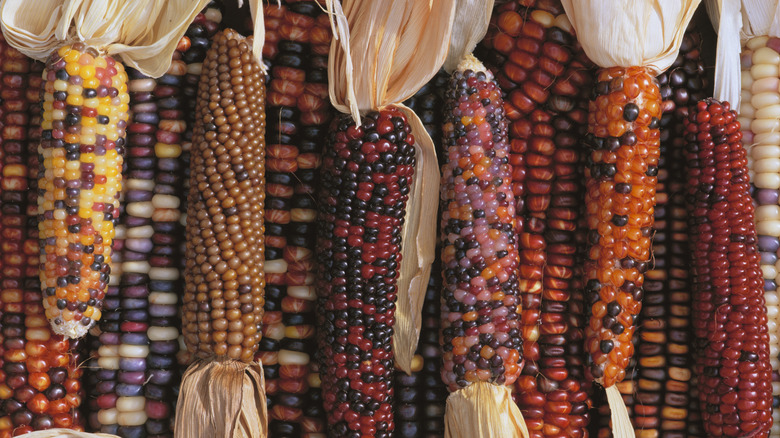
(483, 410)
(143, 33)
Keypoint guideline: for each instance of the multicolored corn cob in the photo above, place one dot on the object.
(85, 113)
(366, 177)
(758, 115)
(481, 337)
(664, 359)
(544, 73)
(729, 314)
(298, 113)
(40, 384)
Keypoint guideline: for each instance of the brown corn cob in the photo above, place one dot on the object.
(199, 35)
(39, 380)
(532, 44)
(298, 111)
(224, 220)
(730, 326)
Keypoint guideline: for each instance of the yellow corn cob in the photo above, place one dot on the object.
(85, 113)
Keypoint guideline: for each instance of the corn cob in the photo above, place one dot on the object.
(167, 230)
(39, 378)
(365, 180)
(730, 325)
(84, 121)
(299, 112)
(758, 117)
(224, 281)
(481, 336)
(623, 137)
(665, 363)
(198, 40)
(419, 408)
(531, 44)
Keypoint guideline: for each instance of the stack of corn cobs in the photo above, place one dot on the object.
(284, 245)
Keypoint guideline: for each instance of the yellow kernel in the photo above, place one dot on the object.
(72, 68)
(87, 72)
(72, 56)
(75, 99)
(63, 50)
(92, 82)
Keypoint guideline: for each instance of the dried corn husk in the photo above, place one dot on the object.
(645, 33)
(66, 433)
(487, 401)
(727, 65)
(759, 17)
(143, 33)
(212, 409)
(472, 18)
(382, 53)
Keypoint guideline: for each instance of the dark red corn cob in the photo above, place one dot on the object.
(40, 384)
(366, 177)
(297, 45)
(544, 73)
(729, 315)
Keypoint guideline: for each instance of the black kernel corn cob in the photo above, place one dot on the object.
(85, 113)
(40, 384)
(543, 73)
(365, 182)
(729, 313)
(297, 45)
(664, 359)
(420, 399)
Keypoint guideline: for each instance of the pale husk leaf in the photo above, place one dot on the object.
(143, 33)
(759, 18)
(727, 64)
(621, 422)
(616, 33)
(66, 433)
(399, 45)
(472, 18)
(383, 51)
(222, 398)
(419, 244)
(483, 410)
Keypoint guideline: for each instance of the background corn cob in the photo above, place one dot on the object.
(85, 112)
(199, 35)
(758, 114)
(298, 112)
(664, 360)
(543, 72)
(366, 178)
(732, 362)
(40, 386)
(419, 405)
(167, 231)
